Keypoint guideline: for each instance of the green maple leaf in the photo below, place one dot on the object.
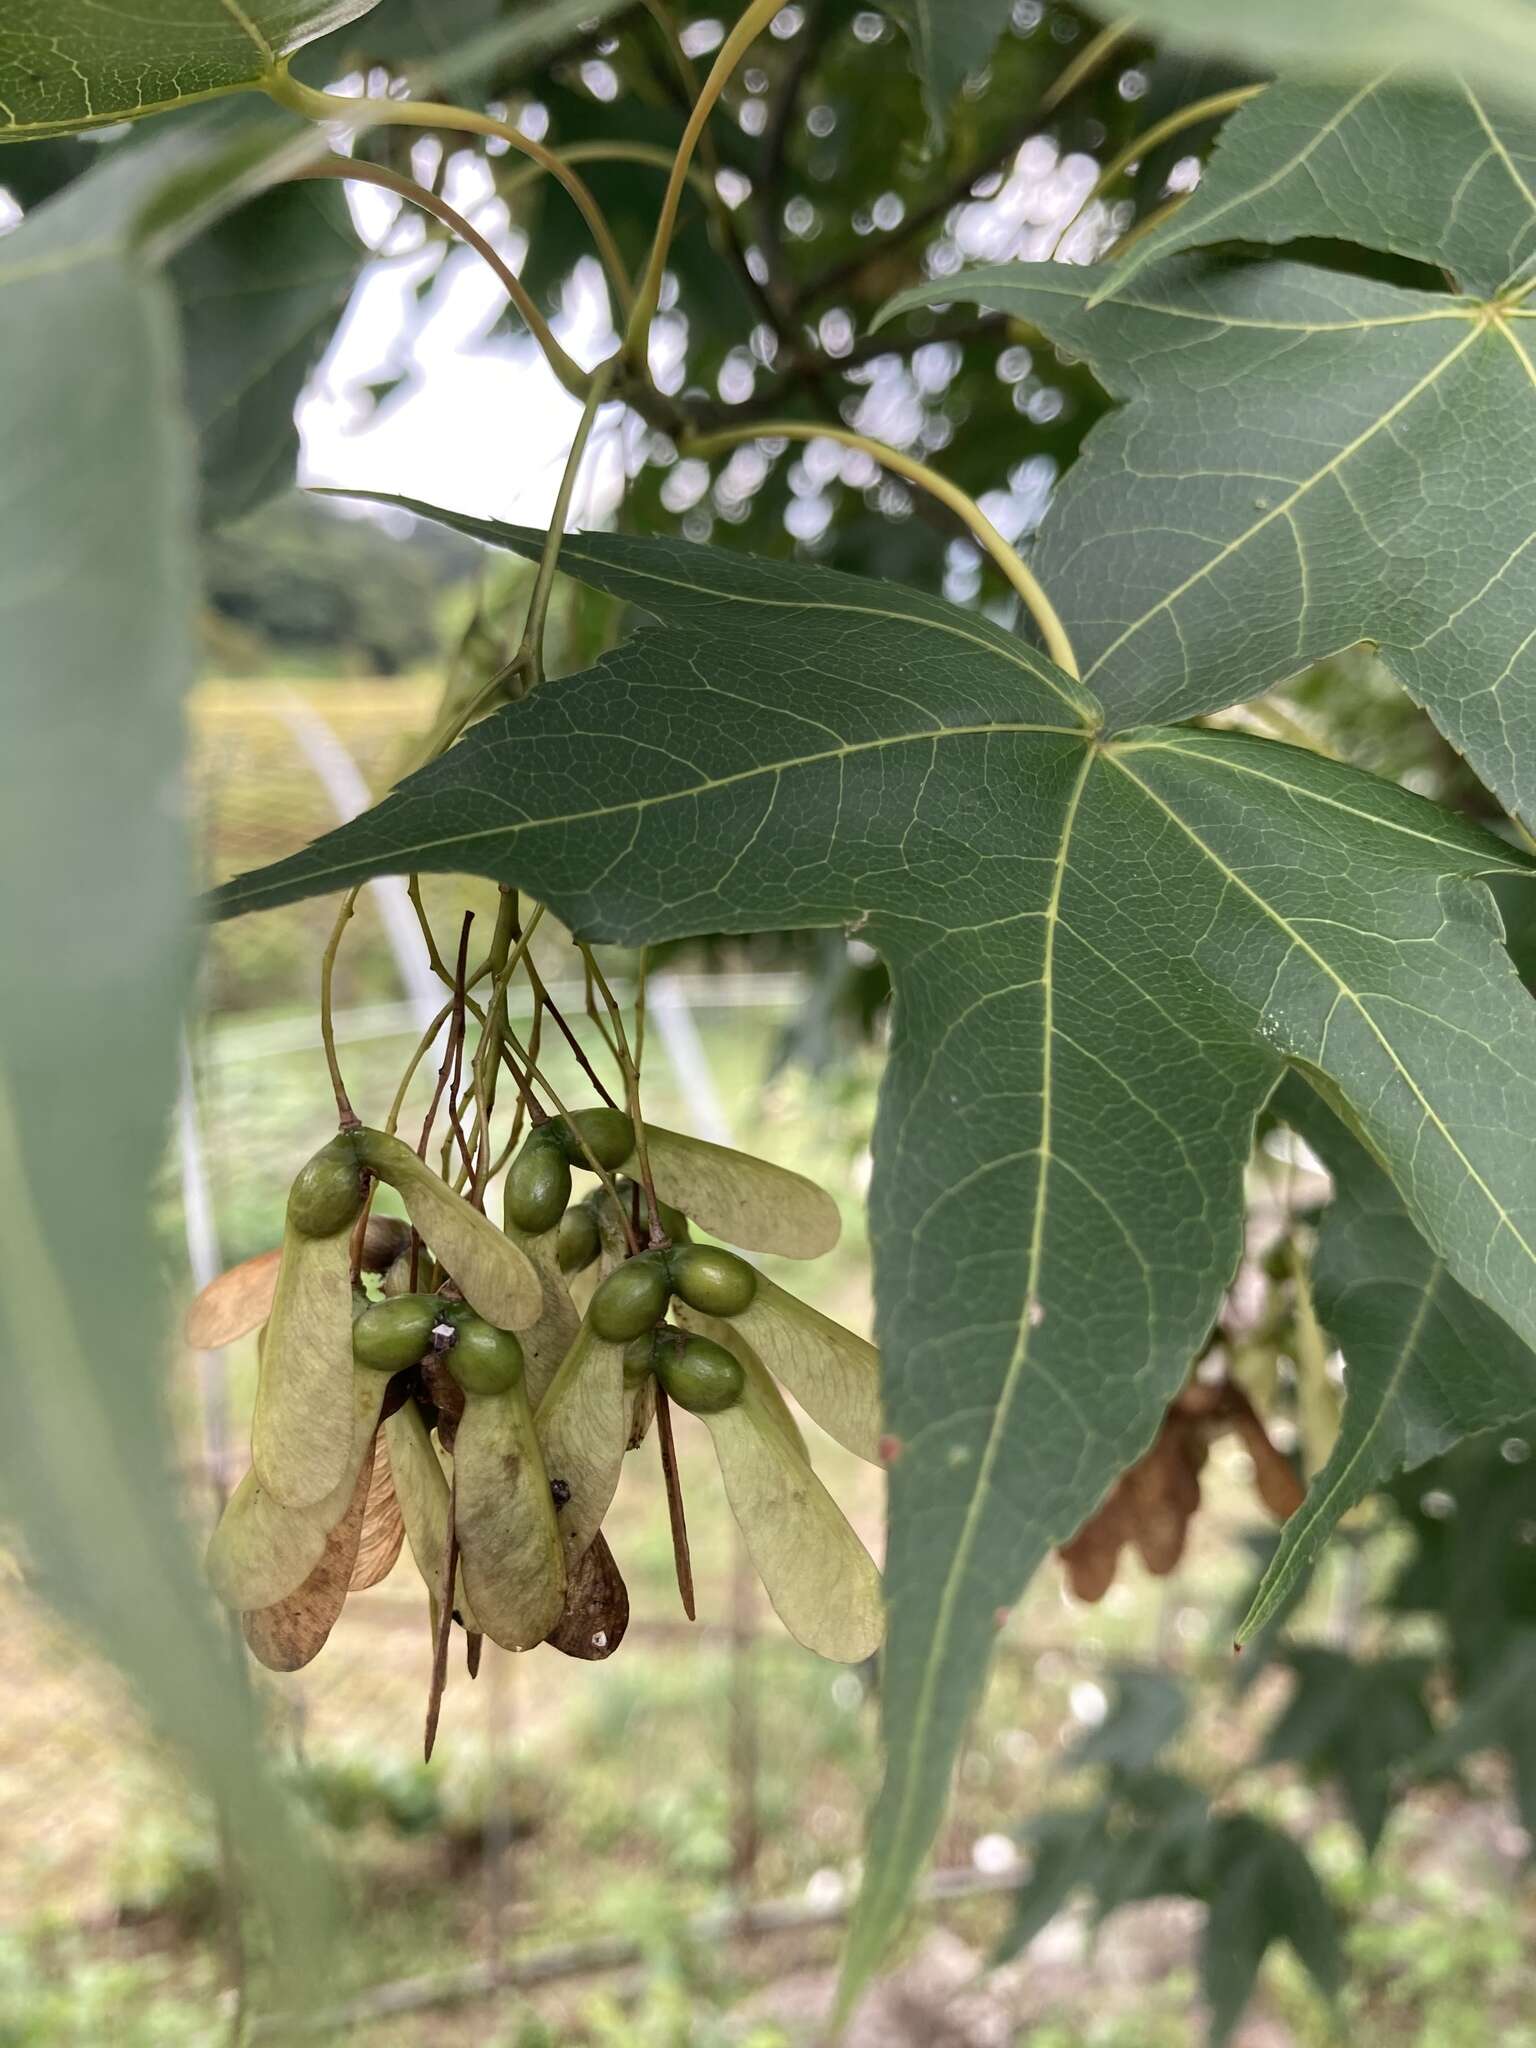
(1146, 1838)
(1154, 1836)
(68, 64)
(98, 619)
(1261, 1890)
(1306, 460)
(1360, 1721)
(1103, 956)
(1426, 1363)
(1070, 1849)
(1447, 177)
(1159, 1833)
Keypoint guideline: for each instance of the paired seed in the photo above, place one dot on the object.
(301, 1427)
(633, 1296)
(512, 1561)
(390, 1335)
(820, 1578)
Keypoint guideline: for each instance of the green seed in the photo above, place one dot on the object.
(609, 1135)
(577, 1242)
(631, 1299)
(485, 1360)
(715, 1282)
(390, 1335)
(327, 1191)
(702, 1377)
(539, 1186)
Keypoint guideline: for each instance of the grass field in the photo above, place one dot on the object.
(703, 1767)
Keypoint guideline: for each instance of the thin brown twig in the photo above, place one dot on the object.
(456, 1128)
(629, 1067)
(535, 1040)
(450, 1050)
(590, 986)
(681, 1556)
(543, 997)
(641, 978)
(483, 1106)
(496, 1034)
(460, 969)
(487, 1066)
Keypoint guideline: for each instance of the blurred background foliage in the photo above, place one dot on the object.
(1386, 1727)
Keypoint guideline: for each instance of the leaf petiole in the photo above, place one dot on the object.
(648, 298)
(360, 113)
(355, 170)
(1052, 632)
(527, 665)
